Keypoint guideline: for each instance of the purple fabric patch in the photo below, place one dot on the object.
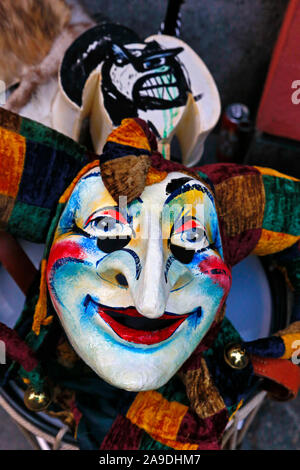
(206, 432)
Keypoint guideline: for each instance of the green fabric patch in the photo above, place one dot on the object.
(147, 443)
(29, 222)
(174, 390)
(227, 334)
(44, 135)
(282, 208)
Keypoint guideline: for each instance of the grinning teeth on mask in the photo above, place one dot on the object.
(153, 87)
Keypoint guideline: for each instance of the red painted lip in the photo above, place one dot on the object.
(140, 336)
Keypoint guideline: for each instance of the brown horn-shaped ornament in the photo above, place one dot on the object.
(125, 176)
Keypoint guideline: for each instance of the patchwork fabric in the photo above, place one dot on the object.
(36, 165)
(6, 208)
(282, 195)
(199, 386)
(259, 209)
(241, 200)
(12, 154)
(131, 134)
(271, 242)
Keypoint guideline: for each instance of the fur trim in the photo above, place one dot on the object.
(35, 76)
(28, 28)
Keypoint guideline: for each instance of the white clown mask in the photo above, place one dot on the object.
(137, 286)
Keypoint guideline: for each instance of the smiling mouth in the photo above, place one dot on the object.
(133, 327)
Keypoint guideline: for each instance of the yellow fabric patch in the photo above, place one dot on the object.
(292, 344)
(290, 329)
(270, 172)
(129, 133)
(155, 176)
(12, 156)
(66, 195)
(202, 393)
(40, 313)
(6, 207)
(241, 202)
(272, 242)
(156, 415)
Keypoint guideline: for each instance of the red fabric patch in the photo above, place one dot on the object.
(17, 349)
(238, 247)
(149, 134)
(123, 435)
(219, 172)
(283, 376)
(206, 432)
(76, 413)
(158, 162)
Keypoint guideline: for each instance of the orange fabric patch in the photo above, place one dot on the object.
(272, 242)
(12, 156)
(292, 345)
(270, 172)
(64, 198)
(156, 415)
(129, 133)
(155, 176)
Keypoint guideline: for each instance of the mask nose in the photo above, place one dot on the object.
(151, 291)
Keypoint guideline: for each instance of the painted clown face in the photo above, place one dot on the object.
(137, 286)
(146, 74)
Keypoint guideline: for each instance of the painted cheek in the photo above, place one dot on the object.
(65, 249)
(218, 272)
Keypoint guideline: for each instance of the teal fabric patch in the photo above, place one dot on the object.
(282, 207)
(29, 222)
(147, 443)
(233, 385)
(174, 390)
(45, 135)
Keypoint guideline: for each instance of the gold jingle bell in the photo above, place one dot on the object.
(37, 401)
(236, 356)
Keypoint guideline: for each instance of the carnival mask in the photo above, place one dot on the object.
(109, 74)
(137, 286)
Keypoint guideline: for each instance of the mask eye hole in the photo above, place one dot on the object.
(108, 245)
(182, 254)
(188, 237)
(121, 61)
(154, 63)
(111, 230)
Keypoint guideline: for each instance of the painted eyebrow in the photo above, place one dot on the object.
(116, 208)
(90, 175)
(185, 188)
